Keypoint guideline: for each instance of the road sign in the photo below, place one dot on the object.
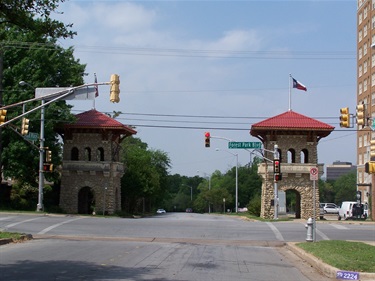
(32, 136)
(314, 174)
(244, 144)
(86, 93)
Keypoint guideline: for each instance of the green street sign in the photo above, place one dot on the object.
(32, 136)
(244, 144)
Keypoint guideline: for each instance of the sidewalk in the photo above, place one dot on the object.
(326, 269)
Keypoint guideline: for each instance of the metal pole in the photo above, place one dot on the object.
(209, 188)
(314, 213)
(39, 207)
(276, 197)
(237, 184)
(191, 193)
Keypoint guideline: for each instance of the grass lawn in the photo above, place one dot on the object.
(344, 255)
(10, 235)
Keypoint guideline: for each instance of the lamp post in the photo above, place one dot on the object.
(234, 154)
(191, 191)
(209, 188)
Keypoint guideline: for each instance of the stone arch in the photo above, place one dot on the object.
(291, 155)
(304, 156)
(100, 154)
(293, 202)
(74, 154)
(87, 154)
(86, 200)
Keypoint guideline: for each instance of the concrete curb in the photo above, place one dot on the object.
(24, 237)
(326, 269)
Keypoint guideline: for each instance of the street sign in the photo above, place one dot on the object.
(32, 136)
(244, 144)
(314, 174)
(86, 93)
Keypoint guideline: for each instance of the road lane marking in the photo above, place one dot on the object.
(339, 226)
(321, 234)
(17, 223)
(44, 231)
(275, 231)
(5, 218)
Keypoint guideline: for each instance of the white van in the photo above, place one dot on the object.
(345, 211)
(351, 210)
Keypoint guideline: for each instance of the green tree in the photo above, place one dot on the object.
(345, 188)
(34, 16)
(143, 186)
(43, 64)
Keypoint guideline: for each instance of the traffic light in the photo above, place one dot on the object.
(3, 113)
(276, 166)
(361, 115)
(370, 167)
(278, 177)
(115, 88)
(372, 150)
(47, 167)
(345, 117)
(48, 156)
(25, 126)
(207, 139)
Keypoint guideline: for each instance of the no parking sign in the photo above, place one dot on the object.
(314, 174)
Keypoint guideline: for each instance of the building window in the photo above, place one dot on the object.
(87, 154)
(359, 159)
(100, 154)
(365, 66)
(360, 71)
(365, 13)
(74, 154)
(360, 18)
(373, 60)
(291, 156)
(365, 30)
(365, 85)
(359, 88)
(360, 36)
(360, 141)
(365, 49)
(304, 156)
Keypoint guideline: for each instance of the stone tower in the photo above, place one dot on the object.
(91, 171)
(297, 137)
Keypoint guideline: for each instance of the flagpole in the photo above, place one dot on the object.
(290, 92)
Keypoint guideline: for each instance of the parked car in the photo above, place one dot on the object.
(330, 208)
(160, 211)
(189, 210)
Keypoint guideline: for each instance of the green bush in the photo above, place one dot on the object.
(255, 205)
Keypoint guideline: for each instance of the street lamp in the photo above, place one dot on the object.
(234, 154)
(191, 191)
(209, 188)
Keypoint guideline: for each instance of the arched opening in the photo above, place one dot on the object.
(74, 154)
(293, 203)
(304, 156)
(291, 156)
(87, 154)
(100, 154)
(86, 201)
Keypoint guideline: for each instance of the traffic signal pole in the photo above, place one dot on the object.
(40, 206)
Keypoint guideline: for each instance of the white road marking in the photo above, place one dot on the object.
(44, 231)
(275, 231)
(17, 223)
(339, 226)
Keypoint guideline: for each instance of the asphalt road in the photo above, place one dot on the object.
(172, 246)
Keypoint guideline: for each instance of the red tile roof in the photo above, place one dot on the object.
(291, 120)
(96, 119)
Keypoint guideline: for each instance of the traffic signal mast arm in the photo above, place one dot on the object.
(58, 95)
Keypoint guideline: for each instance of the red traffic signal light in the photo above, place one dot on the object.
(207, 139)
(276, 166)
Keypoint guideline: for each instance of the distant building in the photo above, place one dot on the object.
(338, 169)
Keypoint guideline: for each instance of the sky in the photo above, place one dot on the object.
(190, 67)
